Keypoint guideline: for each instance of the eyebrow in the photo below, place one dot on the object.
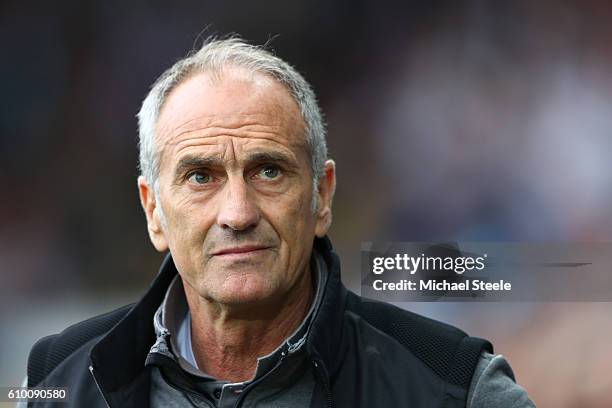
(271, 157)
(190, 162)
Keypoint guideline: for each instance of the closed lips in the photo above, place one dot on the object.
(240, 250)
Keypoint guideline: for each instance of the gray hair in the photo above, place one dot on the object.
(213, 56)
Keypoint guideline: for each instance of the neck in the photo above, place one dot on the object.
(227, 340)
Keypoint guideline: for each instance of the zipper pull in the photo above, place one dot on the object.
(292, 348)
(160, 345)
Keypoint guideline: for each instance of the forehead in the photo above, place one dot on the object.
(207, 107)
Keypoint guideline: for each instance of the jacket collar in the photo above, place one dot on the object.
(326, 329)
(119, 357)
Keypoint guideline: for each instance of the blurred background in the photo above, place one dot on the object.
(462, 120)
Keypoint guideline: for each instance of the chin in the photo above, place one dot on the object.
(241, 290)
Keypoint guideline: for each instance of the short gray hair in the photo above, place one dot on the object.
(213, 56)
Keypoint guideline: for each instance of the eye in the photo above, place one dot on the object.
(269, 172)
(199, 178)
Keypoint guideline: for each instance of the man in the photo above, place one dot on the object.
(248, 308)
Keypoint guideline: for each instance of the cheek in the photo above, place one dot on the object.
(186, 231)
(187, 224)
(293, 220)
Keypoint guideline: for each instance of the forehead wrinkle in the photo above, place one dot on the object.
(229, 143)
(246, 131)
(229, 122)
(249, 130)
(252, 129)
(218, 140)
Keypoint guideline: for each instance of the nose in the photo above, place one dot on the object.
(238, 211)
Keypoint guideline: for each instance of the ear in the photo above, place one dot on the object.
(325, 195)
(154, 225)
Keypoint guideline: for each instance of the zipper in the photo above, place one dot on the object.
(317, 368)
(91, 370)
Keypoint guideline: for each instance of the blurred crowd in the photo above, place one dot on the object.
(465, 120)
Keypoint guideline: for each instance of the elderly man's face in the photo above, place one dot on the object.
(235, 188)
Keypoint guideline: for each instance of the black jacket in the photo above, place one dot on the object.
(364, 353)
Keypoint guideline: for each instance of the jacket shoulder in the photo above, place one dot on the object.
(48, 352)
(447, 350)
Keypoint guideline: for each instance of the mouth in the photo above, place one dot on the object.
(242, 250)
